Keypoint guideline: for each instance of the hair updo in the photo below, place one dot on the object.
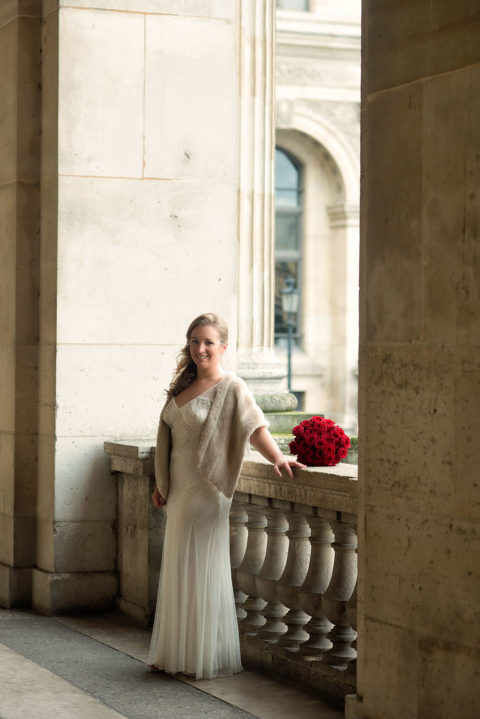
(186, 370)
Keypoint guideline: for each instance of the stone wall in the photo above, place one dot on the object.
(137, 142)
(139, 171)
(419, 583)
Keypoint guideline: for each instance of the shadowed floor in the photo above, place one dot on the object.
(73, 667)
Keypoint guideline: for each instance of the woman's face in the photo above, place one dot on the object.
(206, 348)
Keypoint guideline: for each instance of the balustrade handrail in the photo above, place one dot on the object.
(333, 488)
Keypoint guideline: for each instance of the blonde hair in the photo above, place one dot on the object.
(186, 370)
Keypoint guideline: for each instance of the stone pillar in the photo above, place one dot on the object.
(256, 361)
(343, 363)
(20, 33)
(419, 392)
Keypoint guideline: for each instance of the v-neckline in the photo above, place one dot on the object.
(197, 395)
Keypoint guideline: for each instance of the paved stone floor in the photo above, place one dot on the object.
(94, 667)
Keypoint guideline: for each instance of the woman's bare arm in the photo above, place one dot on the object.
(263, 441)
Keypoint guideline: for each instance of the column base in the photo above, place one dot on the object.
(265, 377)
(62, 593)
(15, 586)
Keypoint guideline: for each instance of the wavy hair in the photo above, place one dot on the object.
(186, 370)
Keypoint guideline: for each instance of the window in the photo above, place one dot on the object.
(288, 234)
(292, 4)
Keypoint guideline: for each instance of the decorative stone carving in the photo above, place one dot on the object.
(301, 71)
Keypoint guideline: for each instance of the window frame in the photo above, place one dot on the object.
(295, 256)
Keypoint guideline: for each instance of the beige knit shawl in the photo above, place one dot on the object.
(232, 419)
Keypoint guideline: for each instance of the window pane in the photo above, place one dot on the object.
(293, 4)
(288, 229)
(286, 173)
(282, 271)
(287, 235)
(286, 198)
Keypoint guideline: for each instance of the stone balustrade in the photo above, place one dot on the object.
(293, 556)
(298, 572)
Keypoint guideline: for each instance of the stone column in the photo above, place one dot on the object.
(20, 33)
(256, 361)
(344, 224)
(419, 391)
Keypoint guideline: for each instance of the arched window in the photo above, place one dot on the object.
(288, 234)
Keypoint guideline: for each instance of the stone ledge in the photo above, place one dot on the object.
(331, 488)
(134, 459)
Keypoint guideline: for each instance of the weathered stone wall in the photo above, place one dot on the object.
(419, 586)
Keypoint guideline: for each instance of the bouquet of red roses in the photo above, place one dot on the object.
(319, 442)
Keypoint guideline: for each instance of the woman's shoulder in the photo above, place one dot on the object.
(235, 382)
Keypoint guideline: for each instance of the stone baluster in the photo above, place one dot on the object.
(315, 585)
(351, 614)
(238, 543)
(272, 569)
(351, 609)
(251, 565)
(293, 576)
(340, 590)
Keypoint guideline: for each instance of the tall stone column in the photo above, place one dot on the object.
(256, 361)
(20, 32)
(419, 391)
(343, 361)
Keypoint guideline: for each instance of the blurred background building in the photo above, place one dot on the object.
(317, 190)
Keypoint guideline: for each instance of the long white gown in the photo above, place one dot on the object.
(195, 629)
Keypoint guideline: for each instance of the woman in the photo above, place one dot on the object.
(204, 428)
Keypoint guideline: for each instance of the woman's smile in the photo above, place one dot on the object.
(206, 347)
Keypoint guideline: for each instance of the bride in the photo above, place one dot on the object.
(204, 428)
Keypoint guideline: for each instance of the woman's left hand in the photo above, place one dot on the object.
(286, 464)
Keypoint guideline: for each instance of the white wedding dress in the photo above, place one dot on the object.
(195, 629)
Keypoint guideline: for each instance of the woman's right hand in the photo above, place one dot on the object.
(157, 498)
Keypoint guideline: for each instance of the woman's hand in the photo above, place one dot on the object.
(283, 463)
(262, 440)
(157, 498)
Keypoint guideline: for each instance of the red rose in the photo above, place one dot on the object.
(319, 442)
